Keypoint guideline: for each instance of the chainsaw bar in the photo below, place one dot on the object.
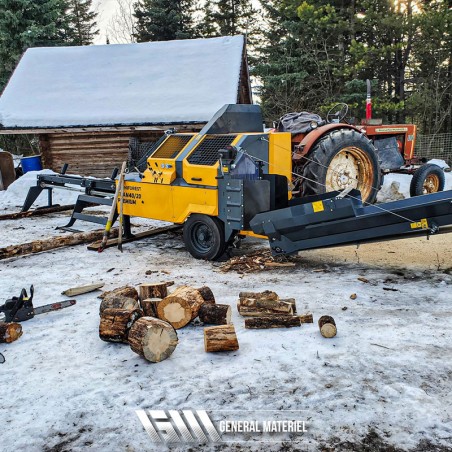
(54, 307)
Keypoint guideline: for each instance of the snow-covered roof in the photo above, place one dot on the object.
(171, 82)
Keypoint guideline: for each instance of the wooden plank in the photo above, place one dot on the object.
(141, 235)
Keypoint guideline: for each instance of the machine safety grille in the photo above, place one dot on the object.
(172, 146)
(207, 151)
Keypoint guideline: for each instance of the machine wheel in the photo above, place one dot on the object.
(342, 158)
(427, 179)
(204, 237)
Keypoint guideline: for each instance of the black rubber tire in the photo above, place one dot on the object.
(314, 172)
(204, 237)
(420, 176)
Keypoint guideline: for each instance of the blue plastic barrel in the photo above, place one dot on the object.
(31, 163)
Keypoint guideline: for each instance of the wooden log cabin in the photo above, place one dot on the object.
(85, 103)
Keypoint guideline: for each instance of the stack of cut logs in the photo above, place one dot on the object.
(267, 310)
(148, 320)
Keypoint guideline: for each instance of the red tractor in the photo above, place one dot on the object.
(331, 154)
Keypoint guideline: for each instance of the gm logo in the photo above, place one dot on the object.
(173, 426)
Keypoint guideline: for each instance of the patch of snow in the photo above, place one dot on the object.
(154, 82)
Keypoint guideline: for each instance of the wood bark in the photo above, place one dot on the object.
(115, 324)
(327, 326)
(266, 295)
(207, 294)
(292, 302)
(52, 243)
(153, 290)
(181, 306)
(153, 339)
(10, 332)
(306, 318)
(216, 314)
(259, 308)
(118, 302)
(220, 338)
(124, 291)
(275, 321)
(149, 306)
(36, 213)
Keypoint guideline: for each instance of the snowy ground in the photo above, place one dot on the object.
(384, 380)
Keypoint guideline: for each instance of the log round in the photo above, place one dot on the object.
(10, 332)
(327, 326)
(207, 294)
(174, 310)
(266, 295)
(115, 324)
(220, 338)
(275, 321)
(125, 291)
(153, 339)
(153, 290)
(118, 302)
(215, 314)
(149, 306)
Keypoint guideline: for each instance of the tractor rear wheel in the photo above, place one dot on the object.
(204, 237)
(427, 179)
(341, 159)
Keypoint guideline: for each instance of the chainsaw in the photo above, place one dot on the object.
(20, 309)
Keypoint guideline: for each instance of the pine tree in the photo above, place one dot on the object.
(81, 23)
(227, 18)
(164, 20)
(25, 23)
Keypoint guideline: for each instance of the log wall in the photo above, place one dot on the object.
(90, 153)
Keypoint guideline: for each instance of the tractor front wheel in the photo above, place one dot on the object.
(427, 179)
(204, 237)
(341, 159)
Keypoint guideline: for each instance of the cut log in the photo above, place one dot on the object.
(115, 324)
(266, 295)
(257, 308)
(220, 338)
(52, 243)
(327, 326)
(306, 318)
(292, 302)
(125, 291)
(153, 290)
(274, 321)
(118, 302)
(36, 212)
(153, 339)
(216, 314)
(207, 294)
(180, 307)
(10, 332)
(149, 306)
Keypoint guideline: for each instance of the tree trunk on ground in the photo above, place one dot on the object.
(36, 213)
(275, 321)
(181, 306)
(149, 306)
(258, 308)
(153, 339)
(52, 243)
(327, 326)
(220, 338)
(266, 295)
(10, 332)
(115, 324)
(118, 302)
(153, 290)
(207, 294)
(125, 291)
(216, 314)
